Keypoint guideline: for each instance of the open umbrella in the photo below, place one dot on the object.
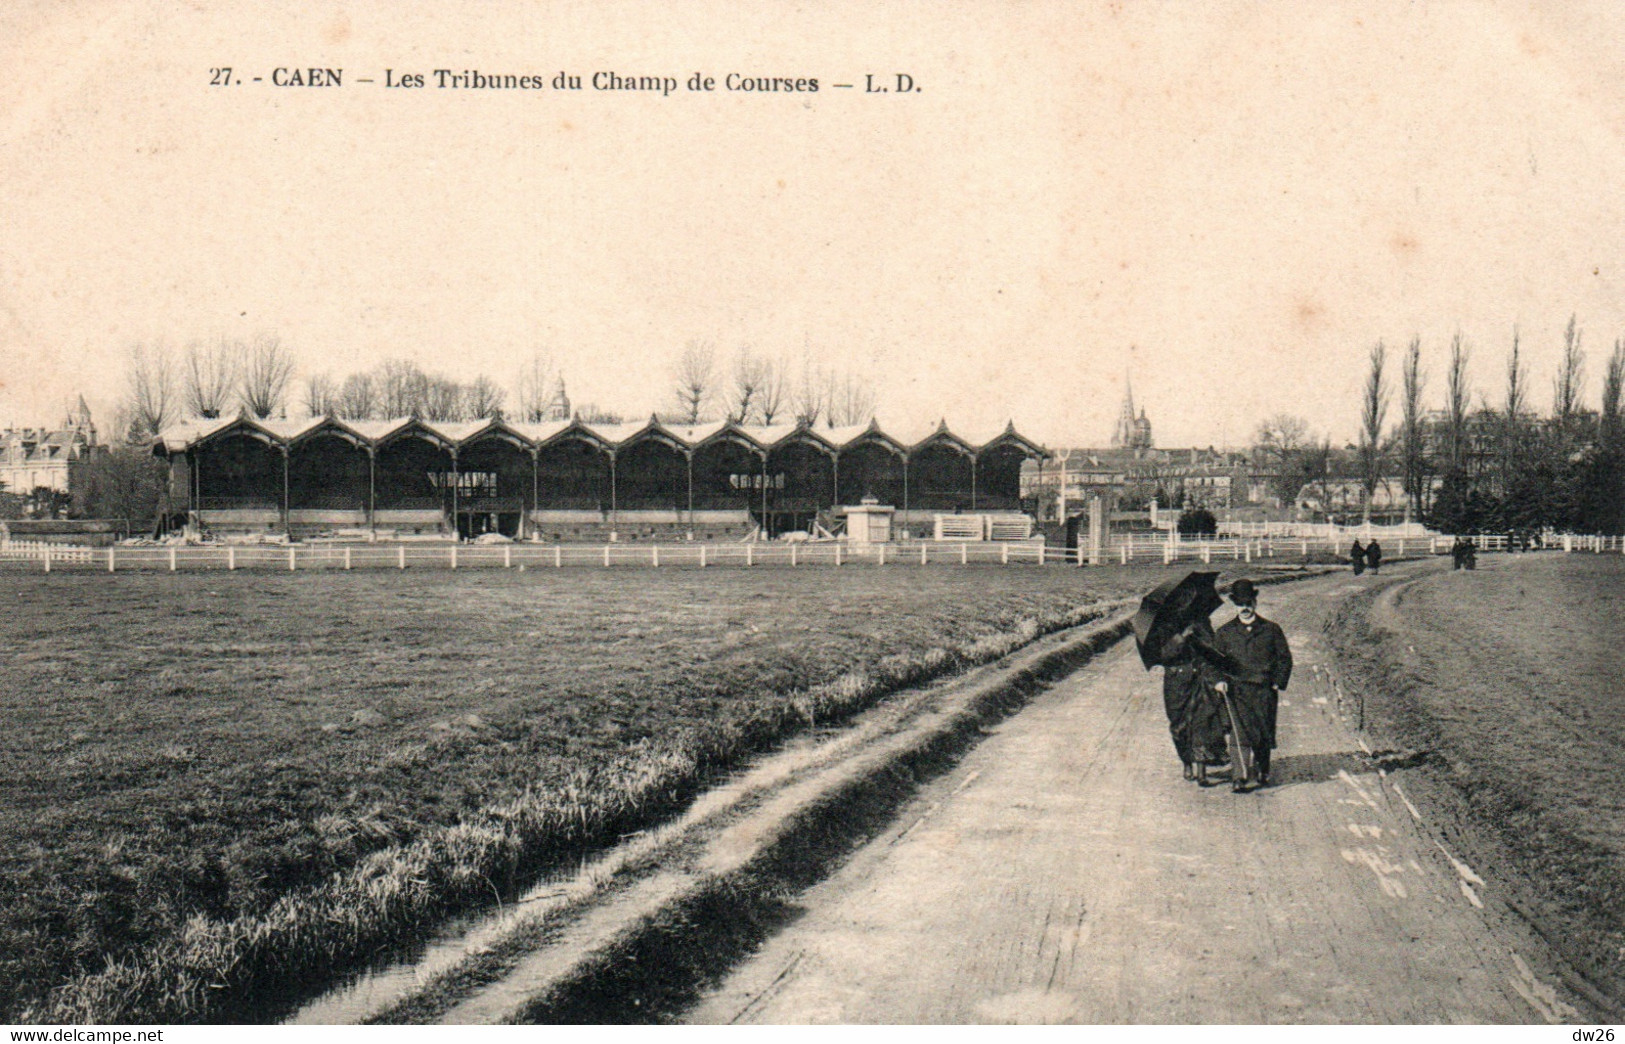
(1168, 610)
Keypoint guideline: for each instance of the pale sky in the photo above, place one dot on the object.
(1234, 202)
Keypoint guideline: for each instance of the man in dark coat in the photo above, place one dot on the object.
(1357, 556)
(1194, 719)
(1259, 649)
(1373, 556)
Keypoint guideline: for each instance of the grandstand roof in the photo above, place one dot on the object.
(287, 433)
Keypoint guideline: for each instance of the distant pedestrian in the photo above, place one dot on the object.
(1258, 647)
(1194, 719)
(1357, 556)
(1373, 556)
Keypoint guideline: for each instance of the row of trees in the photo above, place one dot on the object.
(751, 388)
(1495, 466)
(257, 376)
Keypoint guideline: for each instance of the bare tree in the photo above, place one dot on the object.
(1512, 416)
(694, 383)
(770, 401)
(1613, 382)
(535, 387)
(208, 376)
(809, 398)
(150, 393)
(1374, 409)
(1278, 442)
(482, 399)
(357, 397)
(1569, 384)
(1412, 448)
(851, 401)
(399, 388)
(267, 369)
(750, 374)
(442, 399)
(321, 395)
(1458, 402)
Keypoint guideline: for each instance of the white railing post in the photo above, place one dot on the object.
(507, 556)
(1004, 554)
(1123, 551)
(1041, 554)
(702, 556)
(558, 556)
(1207, 553)
(882, 549)
(401, 551)
(110, 552)
(231, 559)
(654, 555)
(792, 556)
(962, 555)
(1306, 549)
(46, 558)
(606, 556)
(454, 556)
(750, 554)
(346, 560)
(837, 554)
(923, 546)
(171, 558)
(292, 565)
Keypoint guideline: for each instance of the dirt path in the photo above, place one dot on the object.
(1064, 872)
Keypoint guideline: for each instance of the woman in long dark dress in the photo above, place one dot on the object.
(1357, 556)
(1194, 713)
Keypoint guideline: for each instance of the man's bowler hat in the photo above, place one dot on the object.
(1242, 592)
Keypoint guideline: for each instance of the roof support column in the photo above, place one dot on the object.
(973, 482)
(372, 489)
(614, 506)
(764, 495)
(690, 457)
(456, 530)
(285, 530)
(529, 528)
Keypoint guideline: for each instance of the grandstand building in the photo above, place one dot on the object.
(571, 480)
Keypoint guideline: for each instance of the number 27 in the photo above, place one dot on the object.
(220, 77)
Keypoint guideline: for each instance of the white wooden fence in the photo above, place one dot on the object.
(419, 555)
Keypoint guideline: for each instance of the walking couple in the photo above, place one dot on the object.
(1210, 707)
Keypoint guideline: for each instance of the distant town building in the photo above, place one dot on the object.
(49, 458)
(558, 407)
(1130, 473)
(1133, 432)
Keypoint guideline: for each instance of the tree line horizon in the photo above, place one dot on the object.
(1498, 465)
(257, 377)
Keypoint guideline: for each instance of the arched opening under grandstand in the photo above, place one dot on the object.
(329, 479)
(805, 493)
(413, 484)
(238, 472)
(939, 476)
(651, 480)
(494, 478)
(872, 468)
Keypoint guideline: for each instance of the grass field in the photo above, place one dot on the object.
(222, 786)
(1510, 677)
